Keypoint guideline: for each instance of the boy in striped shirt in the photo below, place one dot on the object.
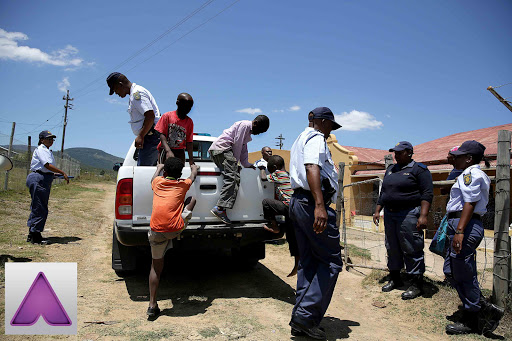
(272, 207)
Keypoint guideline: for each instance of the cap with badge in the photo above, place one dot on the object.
(112, 80)
(402, 145)
(469, 147)
(326, 114)
(46, 134)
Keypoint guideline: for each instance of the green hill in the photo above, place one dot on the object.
(88, 157)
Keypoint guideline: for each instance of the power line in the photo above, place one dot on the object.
(175, 41)
(197, 10)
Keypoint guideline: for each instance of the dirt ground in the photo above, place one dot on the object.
(207, 298)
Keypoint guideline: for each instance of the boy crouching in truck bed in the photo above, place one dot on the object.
(170, 216)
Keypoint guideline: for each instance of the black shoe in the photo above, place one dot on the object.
(412, 292)
(313, 332)
(29, 237)
(153, 312)
(489, 317)
(296, 332)
(394, 281)
(37, 238)
(415, 289)
(391, 285)
(458, 328)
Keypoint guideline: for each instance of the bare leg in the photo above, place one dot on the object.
(157, 266)
(294, 270)
(273, 227)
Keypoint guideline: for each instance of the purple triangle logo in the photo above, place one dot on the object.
(41, 300)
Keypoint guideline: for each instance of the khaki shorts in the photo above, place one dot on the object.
(162, 241)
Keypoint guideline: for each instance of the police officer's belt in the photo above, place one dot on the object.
(300, 190)
(458, 214)
(41, 172)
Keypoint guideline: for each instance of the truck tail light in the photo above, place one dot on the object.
(124, 199)
(209, 173)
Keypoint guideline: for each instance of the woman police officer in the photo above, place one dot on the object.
(39, 183)
(468, 200)
(406, 195)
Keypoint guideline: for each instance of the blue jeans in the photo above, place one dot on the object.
(320, 260)
(148, 155)
(404, 242)
(460, 269)
(39, 186)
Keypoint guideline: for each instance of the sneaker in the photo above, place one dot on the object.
(221, 214)
(153, 312)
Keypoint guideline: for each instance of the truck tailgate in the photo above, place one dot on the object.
(206, 189)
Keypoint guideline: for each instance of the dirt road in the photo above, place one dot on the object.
(205, 298)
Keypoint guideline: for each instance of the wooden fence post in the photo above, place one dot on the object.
(501, 271)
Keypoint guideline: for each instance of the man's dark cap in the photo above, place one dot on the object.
(45, 134)
(112, 80)
(470, 147)
(326, 114)
(401, 146)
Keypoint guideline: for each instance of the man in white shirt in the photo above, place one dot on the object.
(144, 115)
(266, 153)
(315, 183)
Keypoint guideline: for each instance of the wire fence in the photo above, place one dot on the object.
(365, 242)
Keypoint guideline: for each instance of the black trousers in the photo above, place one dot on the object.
(273, 207)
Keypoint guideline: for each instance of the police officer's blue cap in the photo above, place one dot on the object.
(112, 80)
(470, 147)
(402, 145)
(46, 134)
(326, 114)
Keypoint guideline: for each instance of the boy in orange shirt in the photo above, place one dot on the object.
(170, 216)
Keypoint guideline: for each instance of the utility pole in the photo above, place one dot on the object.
(501, 99)
(280, 143)
(70, 106)
(9, 153)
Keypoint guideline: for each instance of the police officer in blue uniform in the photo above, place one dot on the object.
(406, 195)
(315, 182)
(39, 183)
(468, 200)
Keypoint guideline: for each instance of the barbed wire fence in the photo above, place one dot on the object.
(364, 242)
(21, 163)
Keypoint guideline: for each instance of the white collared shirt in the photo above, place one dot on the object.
(141, 101)
(311, 148)
(471, 186)
(41, 156)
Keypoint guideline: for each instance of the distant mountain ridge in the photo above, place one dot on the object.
(88, 157)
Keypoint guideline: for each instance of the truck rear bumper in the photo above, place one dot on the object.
(201, 236)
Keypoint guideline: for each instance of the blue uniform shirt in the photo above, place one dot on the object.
(471, 186)
(405, 187)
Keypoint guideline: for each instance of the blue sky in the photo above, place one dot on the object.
(389, 70)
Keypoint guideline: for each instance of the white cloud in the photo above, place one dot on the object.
(10, 50)
(64, 85)
(250, 111)
(358, 120)
(388, 116)
(278, 110)
(114, 101)
(294, 108)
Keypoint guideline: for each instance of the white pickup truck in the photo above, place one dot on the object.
(134, 197)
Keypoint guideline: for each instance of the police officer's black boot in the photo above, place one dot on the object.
(468, 324)
(394, 281)
(489, 316)
(415, 289)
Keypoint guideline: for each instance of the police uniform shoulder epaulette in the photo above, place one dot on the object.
(421, 165)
